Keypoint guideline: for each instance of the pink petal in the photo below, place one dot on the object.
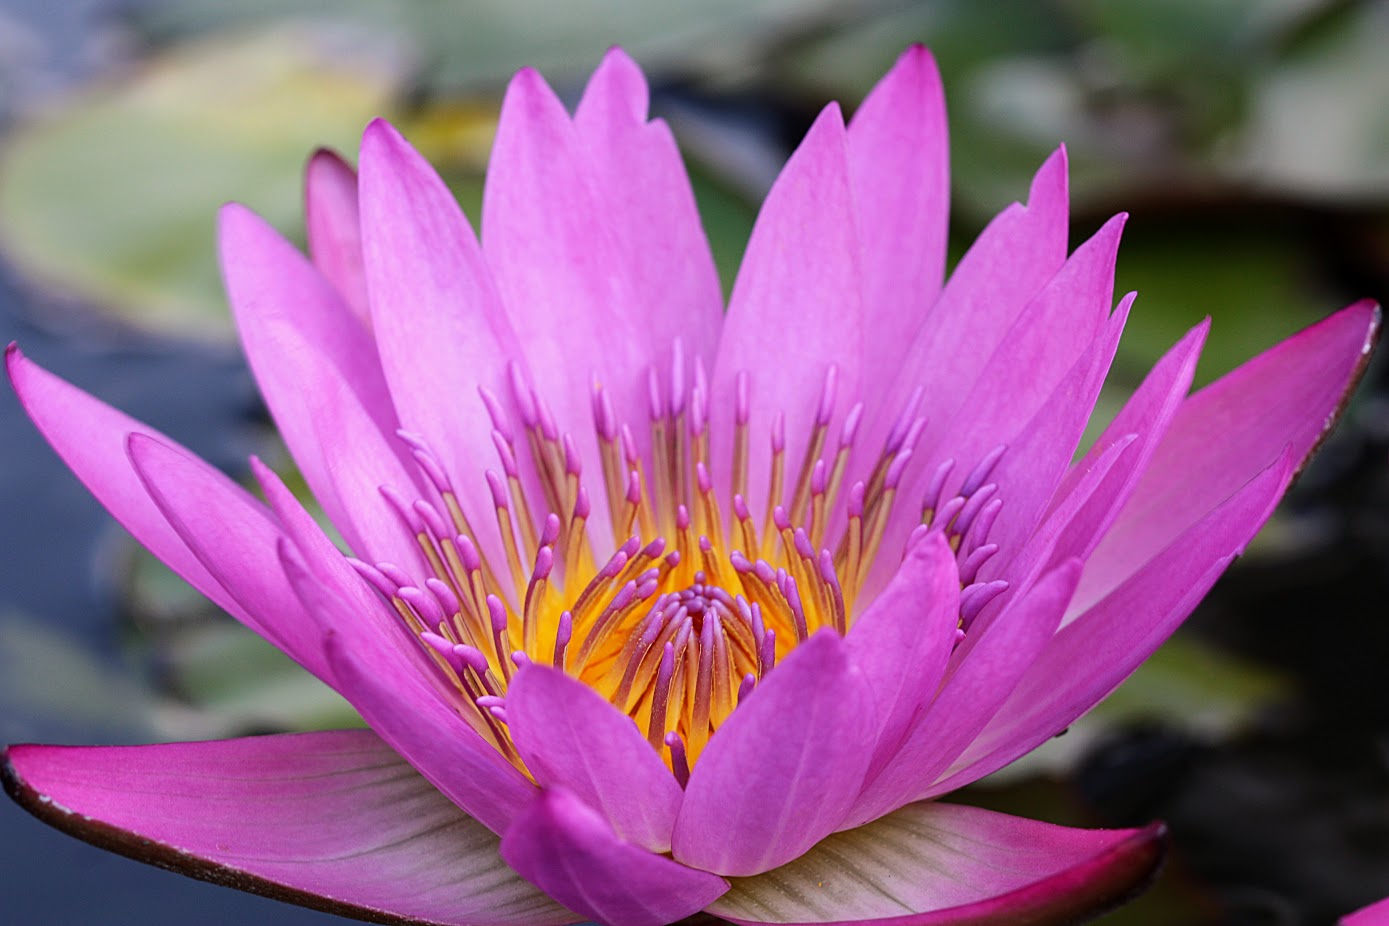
(899, 165)
(572, 738)
(401, 696)
(568, 850)
(987, 667)
(332, 220)
(1020, 250)
(1376, 914)
(1144, 418)
(234, 537)
(318, 369)
(579, 318)
(781, 772)
(903, 639)
(1230, 431)
(649, 208)
(1093, 653)
(932, 864)
(436, 314)
(1038, 457)
(90, 437)
(334, 821)
(796, 309)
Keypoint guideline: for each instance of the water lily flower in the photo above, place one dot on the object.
(1376, 914)
(654, 608)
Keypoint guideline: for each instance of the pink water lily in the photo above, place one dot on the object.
(655, 609)
(1376, 914)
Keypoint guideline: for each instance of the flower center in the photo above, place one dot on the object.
(692, 611)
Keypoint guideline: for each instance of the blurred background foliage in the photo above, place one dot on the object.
(1249, 139)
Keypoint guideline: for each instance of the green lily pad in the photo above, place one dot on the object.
(113, 195)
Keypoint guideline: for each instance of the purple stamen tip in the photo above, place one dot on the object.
(849, 433)
(397, 575)
(740, 508)
(467, 552)
(856, 495)
(374, 577)
(547, 422)
(550, 533)
(673, 558)
(764, 571)
(741, 407)
(504, 452)
(647, 589)
(629, 447)
(573, 463)
(471, 656)
(819, 477)
(827, 571)
(802, 543)
(402, 508)
(544, 563)
(439, 644)
(582, 505)
(431, 469)
(654, 549)
(496, 612)
(423, 604)
(490, 701)
(705, 544)
(447, 599)
(781, 518)
(896, 468)
(746, 686)
(523, 396)
(682, 517)
(913, 434)
(633, 487)
(702, 477)
(495, 412)
(431, 517)
(656, 406)
(699, 411)
(520, 659)
(827, 397)
(779, 432)
(976, 597)
(565, 631)
(982, 472)
(494, 482)
(739, 562)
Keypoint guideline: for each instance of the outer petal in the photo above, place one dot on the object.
(796, 308)
(572, 738)
(90, 437)
(1020, 250)
(783, 769)
(234, 537)
(936, 864)
(902, 641)
(1098, 650)
(1041, 359)
(649, 207)
(1376, 914)
(318, 369)
(987, 667)
(334, 821)
(436, 314)
(559, 268)
(899, 165)
(1230, 431)
(395, 692)
(567, 850)
(333, 223)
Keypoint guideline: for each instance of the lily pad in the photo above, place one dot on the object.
(113, 195)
